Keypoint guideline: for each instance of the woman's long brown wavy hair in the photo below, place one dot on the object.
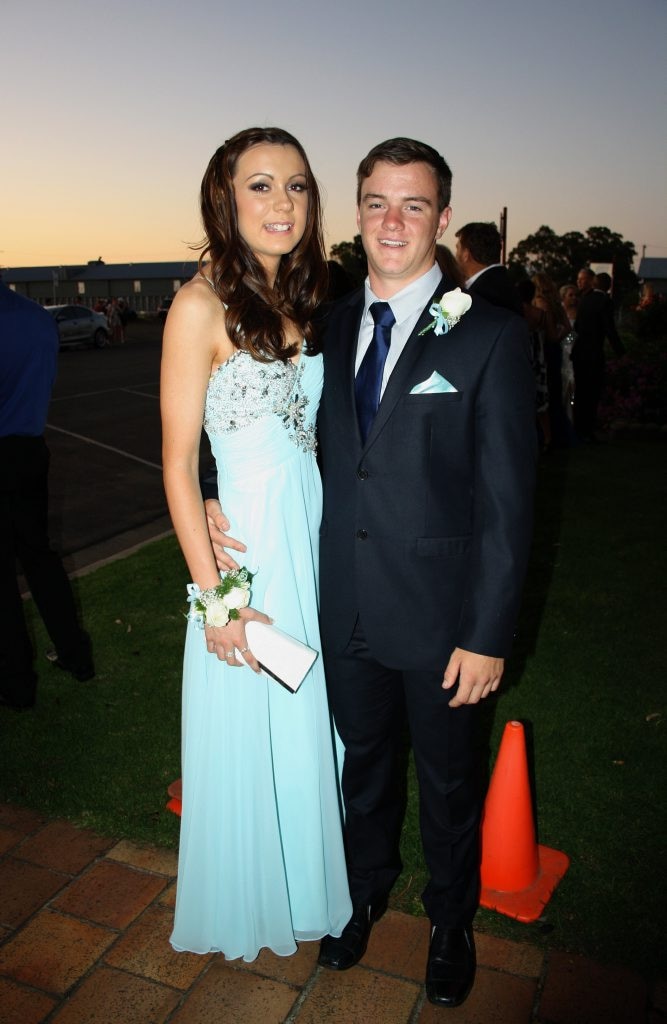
(256, 313)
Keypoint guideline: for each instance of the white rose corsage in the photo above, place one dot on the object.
(447, 313)
(217, 605)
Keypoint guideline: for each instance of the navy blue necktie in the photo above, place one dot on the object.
(368, 383)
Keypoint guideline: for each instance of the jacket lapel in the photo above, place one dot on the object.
(342, 358)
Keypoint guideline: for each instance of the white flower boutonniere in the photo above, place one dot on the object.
(447, 313)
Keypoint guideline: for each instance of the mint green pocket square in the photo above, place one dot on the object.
(435, 385)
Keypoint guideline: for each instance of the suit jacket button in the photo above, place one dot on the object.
(362, 474)
(362, 534)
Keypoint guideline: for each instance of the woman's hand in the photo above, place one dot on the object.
(225, 641)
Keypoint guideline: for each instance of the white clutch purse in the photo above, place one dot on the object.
(280, 656)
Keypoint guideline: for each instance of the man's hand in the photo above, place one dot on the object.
(225, 641)
(218, 524)
(478, 675)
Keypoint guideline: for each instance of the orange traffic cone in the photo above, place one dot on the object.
(175, 791)
(518, 876)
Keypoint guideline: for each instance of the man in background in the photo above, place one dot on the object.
(478, 248)
(28, 354)
(594, 323)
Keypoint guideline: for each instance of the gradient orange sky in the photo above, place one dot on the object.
(111, 112)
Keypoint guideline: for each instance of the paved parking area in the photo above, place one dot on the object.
(103, 430)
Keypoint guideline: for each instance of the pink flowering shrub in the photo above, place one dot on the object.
(635, 389)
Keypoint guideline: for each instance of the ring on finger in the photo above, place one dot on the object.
(229, 654)
(244, 650)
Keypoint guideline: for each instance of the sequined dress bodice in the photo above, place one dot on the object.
(243, 391)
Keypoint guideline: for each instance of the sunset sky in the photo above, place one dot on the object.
(111, 111)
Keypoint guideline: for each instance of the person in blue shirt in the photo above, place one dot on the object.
(28, 356)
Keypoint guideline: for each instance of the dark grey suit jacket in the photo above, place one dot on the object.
(495, 286)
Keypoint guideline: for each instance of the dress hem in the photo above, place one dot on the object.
(250, 958)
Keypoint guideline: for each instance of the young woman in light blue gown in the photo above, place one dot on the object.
(261, 860)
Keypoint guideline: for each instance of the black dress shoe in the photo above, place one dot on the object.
(81, 670)
(80, 664)
(450, 971)
(344, 952)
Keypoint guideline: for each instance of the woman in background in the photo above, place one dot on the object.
(535, 319)
(115, 321)
(553, 328)
(570, 299)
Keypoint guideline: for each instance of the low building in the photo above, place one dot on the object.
(653, 273)
(143, 286)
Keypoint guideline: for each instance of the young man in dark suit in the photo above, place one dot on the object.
(428, 445)
(425, 535)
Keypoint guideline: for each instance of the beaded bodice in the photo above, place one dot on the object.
(243, 390)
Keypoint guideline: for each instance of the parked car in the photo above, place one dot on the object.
(163, 309)
(77, 324)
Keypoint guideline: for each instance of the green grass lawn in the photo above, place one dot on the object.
(586, 678)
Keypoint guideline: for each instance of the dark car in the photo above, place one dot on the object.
(163, 309)
(80, 325)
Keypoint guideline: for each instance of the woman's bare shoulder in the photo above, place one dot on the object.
(197, 317)
(196, 298)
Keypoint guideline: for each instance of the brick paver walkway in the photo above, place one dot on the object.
(84, 927)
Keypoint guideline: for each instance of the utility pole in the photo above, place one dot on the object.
(503, 235)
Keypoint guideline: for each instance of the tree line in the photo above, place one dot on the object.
(559, 256)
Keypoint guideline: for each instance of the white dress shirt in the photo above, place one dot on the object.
(406, 306)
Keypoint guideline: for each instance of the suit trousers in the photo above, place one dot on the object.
(588, 381)
(24, 466)
(369, 702)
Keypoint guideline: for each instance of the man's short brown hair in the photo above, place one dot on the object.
(402, 151)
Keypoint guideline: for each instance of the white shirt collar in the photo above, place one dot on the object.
(410, 299)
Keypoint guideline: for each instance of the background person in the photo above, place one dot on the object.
(554, 328)
(602, 282)
(535, 319)
(647, 297)
(449, 265)
(478, 251)
(594, 325)
(115, 323)
(570, 300)
(28, 356)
